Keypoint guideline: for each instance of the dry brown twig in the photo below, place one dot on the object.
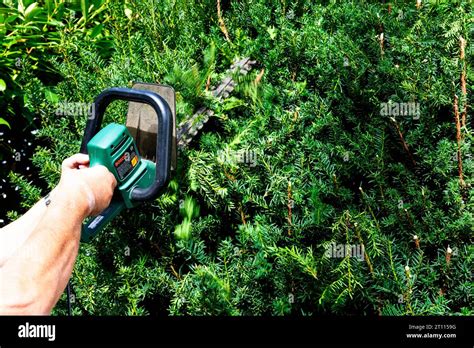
(408, 217)
(449, 253)
(221, 21)
(462, 44)
(402, 139)
(208, 82)
(417, 241)
(242, 214)
(259, 77)
(174, 272)
(381, 44)
(290, 205)
(458, 140)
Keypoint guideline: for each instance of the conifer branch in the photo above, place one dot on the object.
(392, 266)
(366, 255)
(408, 293)
(370, 209)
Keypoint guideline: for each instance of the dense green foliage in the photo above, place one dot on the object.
(239, 239)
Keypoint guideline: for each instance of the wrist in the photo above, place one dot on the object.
(75, 199)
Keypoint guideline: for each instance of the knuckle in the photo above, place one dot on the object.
(113, 181)
(102, 168)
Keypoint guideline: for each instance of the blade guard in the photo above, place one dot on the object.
(163, 135)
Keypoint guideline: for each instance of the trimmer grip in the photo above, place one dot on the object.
(95, 224)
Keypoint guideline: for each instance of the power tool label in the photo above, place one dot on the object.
(125, 164)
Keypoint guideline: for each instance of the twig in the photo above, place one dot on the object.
(334, 179)
(259, 77)
(208, 82)
(417, 241)
(462, 43)
(449, 253)
(381, 43)
(290, 203)
(229, 176)
(404, 143)
(458, 139)
(408, 217)
(221, 21)
(242, 215)
(174, 272)
(155, 246)
(295, 116)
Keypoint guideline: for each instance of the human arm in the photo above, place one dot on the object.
(33, 278)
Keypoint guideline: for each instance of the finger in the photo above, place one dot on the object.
(102, 173)
(113, 180)
(75, 160)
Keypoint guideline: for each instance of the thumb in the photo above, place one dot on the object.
(76, 161)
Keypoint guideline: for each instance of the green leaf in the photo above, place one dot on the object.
(30, 8)
(128, 13)
(97, 30)
(21, 7)
(183, 231)
(232, 103)
(85, 9)
(3, 121)
(49, 7)
(272, 31)
(50, 96)
(190, 208)
(3, 85)
(11, 18)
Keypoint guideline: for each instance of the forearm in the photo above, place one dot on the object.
(32, 279)
(17, 232)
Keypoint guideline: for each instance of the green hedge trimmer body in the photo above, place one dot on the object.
(142, 171)
(138, 179)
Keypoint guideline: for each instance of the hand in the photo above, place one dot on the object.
(91, 187)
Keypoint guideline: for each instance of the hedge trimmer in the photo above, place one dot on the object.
(142, 154)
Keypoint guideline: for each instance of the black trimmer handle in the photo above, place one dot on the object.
(163, 136)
